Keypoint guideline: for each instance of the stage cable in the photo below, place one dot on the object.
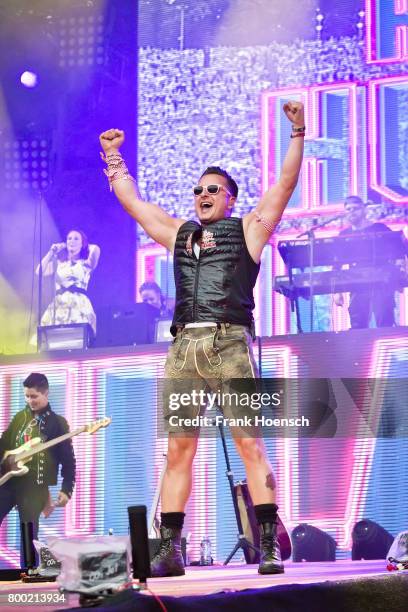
(135, 586)
(157, 598)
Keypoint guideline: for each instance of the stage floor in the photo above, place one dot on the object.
(217, 578)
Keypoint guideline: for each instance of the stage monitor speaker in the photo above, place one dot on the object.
(162, 333)
(64, 337)
(126, 325)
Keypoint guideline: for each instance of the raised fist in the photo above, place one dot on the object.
(295, 112)
(111, 140)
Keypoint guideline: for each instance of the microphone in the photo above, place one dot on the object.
(58, 246)
(339, 216)
(316, 226)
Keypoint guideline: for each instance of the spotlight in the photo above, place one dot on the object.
(319, 23)
(29, 79)
(81, 40)
(370, 541)
(27, 163)
(312, 544)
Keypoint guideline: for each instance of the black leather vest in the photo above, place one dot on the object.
(218, 285)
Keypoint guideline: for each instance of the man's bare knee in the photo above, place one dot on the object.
(181, 450)
(250, 449)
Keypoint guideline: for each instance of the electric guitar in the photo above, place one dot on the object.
(251, 528)
(13, 463)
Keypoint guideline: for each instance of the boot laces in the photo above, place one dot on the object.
(164, 548)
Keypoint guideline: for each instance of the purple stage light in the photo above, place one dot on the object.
(29, 79)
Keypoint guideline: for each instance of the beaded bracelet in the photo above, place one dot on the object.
(116, 169)
(298, 135)
(299, 129)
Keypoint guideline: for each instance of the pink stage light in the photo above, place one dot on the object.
(146, 263)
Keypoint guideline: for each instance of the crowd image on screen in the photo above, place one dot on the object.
(201, 107)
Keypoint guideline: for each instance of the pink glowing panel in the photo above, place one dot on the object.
(145, 264)
(269, 129)
(375, 30)
(377, 116)
(285, 366)
(383, 352)
(280, 311)
(313, 167)
(403, 314)
(357, 454)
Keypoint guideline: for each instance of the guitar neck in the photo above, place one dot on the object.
(44, 445)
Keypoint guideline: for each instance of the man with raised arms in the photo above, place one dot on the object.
(216, 263)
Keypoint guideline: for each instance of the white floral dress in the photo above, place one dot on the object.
(71, 306)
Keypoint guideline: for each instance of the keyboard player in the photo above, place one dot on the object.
(373, 300)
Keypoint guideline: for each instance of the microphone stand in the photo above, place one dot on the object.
(310, 233)
(294, 298)
(40, 269)
(242, 542)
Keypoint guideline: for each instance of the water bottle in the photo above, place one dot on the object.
(205, 551)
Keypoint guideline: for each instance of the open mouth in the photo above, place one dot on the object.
(206, 206)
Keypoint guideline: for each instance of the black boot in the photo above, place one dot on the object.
(271, 562)
(168, 561)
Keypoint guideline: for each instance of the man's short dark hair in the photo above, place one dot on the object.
(354, 199)
(150, 286)
(232, 186)
(36, 381)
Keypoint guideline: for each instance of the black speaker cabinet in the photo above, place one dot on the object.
(126, 325)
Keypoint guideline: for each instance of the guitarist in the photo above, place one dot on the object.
(29, 493)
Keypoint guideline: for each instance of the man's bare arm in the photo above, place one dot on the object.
(155, 221)
(261, 222)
